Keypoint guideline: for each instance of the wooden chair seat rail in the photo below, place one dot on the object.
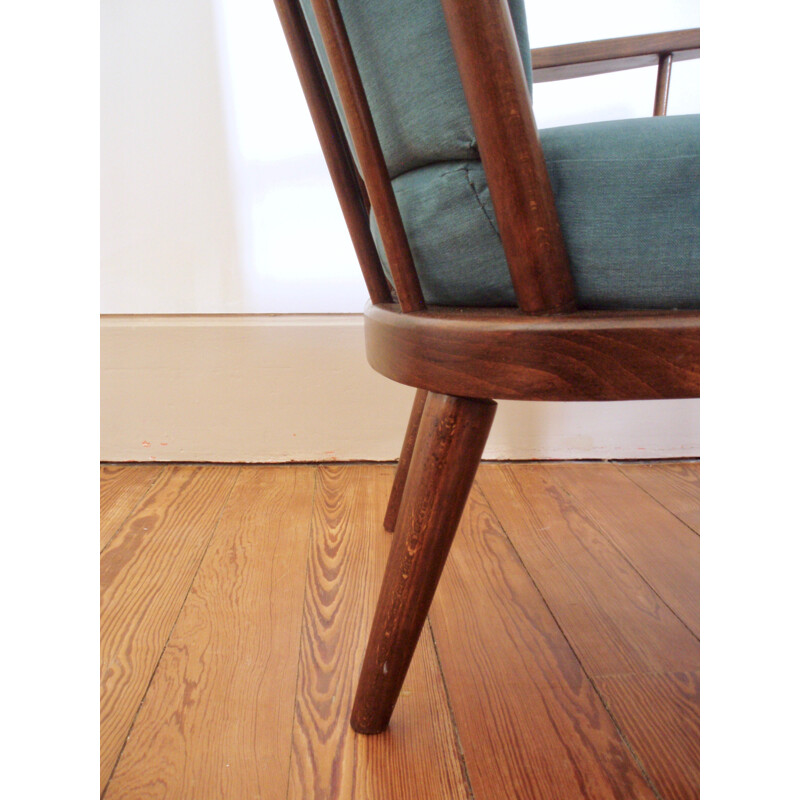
(506, 354)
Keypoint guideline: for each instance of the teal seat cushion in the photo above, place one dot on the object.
(627, 194)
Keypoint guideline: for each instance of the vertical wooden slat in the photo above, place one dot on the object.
(662, 84)
(368, 150)
(347, 182)
(488, 59)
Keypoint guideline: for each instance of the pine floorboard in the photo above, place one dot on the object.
(217, 716)
(560, 659)
(121, 487)
(519, 695)
(419, 756)
(675, 484)
(145, 574)
(624, 635)
(664, 551)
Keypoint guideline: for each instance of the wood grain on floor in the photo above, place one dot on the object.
(145, 574)
(676, 485)
(121, 488)
(560, 659)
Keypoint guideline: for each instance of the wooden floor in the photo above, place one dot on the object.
(560, 659)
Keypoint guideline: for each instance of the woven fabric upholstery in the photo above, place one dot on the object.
(410, 77)
(628, 199)
(627, 192)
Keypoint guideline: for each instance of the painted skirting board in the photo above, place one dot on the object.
(258, 388)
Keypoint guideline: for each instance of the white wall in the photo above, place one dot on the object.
(212, 176)
(212, 179)
(298, 388)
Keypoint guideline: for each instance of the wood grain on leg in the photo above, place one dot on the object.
(419, 757)
(217, 719)
(393, 506)
(145, 574)
(451, 438)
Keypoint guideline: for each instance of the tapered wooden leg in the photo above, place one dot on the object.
(450, 441)
(403, 464)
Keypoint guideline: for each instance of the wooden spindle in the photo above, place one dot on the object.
(400, 476)
(662, 84)
(490, 66)
(344, 174)
(368, 151)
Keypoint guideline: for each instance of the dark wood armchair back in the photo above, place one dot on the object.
(495, 87)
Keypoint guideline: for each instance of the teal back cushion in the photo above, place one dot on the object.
(406, 64)
(627, 192)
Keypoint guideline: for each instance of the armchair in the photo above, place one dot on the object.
(500, 263)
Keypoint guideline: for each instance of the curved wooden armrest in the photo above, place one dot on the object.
(612, 55)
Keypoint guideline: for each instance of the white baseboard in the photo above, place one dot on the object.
(298, 388)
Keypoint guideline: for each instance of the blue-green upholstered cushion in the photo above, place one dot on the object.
(406, 63)
(627, 194)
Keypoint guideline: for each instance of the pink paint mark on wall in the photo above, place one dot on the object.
(163, 444)
(145, 443)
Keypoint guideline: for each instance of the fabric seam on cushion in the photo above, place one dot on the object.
(465, 170)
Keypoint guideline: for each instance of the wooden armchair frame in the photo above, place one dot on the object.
(463, 359)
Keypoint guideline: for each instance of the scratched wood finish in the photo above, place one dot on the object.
(530, 723)
(122, 486)
(504, 354)
(452, 435)
(418, 757)
(217, 719)
(487, 56)
(675, 485)
(660, 715)
(610, 55)
(617, 625)
(145, 574)
(661, 548)
(400, 475)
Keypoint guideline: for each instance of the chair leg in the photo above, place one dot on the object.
(451, 438)
(390, 520)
